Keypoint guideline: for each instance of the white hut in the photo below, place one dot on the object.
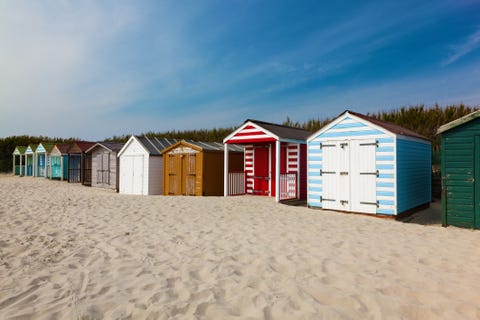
(141, 165)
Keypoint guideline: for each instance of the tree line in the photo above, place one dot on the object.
(419, 118)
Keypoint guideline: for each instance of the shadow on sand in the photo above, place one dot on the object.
(431, 216)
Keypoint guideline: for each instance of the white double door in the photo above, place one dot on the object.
(131, 174)
(349, 175)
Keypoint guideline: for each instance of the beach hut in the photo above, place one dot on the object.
(79, 163)
(461, 171)
(360, 164)
(30, 160)
(105, 164)
(42, 159)
(195, 168)
(274, 161)
(19, 160)
(58, 165)
(141, 165)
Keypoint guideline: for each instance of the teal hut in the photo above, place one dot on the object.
(461, 172)
(58, 165)
(19, 161)
(30, 160)
(42, 158)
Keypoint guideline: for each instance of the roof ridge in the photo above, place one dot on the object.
(274, 124)
(388, 125)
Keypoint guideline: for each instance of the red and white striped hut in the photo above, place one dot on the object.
(275, 161)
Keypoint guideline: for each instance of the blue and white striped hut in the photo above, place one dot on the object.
(360, 164)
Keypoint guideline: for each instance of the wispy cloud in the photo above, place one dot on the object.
(460, 50)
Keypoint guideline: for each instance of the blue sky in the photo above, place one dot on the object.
(92, 69)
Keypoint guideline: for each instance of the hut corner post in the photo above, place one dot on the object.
(225, 170)
(277, 171)
(13, 171)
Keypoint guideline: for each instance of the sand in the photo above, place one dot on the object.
(73, 252)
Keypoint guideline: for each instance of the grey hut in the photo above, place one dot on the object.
(105, 164)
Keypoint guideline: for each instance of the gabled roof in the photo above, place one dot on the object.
(32, 147)
(112, 146)
(388, 126)
(84, 145)
(393, 128)
(21, 149)
(270, 130)
(154, 146)
(46, 145)
(62, 147)
(204, 146)
(282, 131)
(455, 123)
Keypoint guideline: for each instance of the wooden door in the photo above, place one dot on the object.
(261, 170)
(74, 168)
(190, 173)
(41, 165)
(103, 169)
(174, 174)
(56, 167)
(364, 176)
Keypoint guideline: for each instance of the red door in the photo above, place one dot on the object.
(260, 171)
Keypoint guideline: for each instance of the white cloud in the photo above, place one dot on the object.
(472, 43)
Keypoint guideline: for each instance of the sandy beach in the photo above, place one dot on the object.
(73, 252)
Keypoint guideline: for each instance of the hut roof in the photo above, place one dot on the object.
(63, 147)
(21, 149)
(155, 146)
(84, 145)
(455, 123)
(282, 131)
(32, 147)
(112, 146)
(393, 128)
(48, 146)
(207, 146)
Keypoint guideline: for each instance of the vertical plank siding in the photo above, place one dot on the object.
(460, 168)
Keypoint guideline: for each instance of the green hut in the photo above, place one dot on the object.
(42, 159)
(461, 171)
(30, 160)
(19, 161)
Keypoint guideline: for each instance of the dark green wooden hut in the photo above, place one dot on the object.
(461, 171)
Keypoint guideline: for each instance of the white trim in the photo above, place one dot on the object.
(277, 170)
(225, 169)
(249, 123)
(96, 145)
(125, 147)
(341, 118)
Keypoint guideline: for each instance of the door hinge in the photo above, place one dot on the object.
(325, 199)
(371, 203)
(370, 173)
(327, 172)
